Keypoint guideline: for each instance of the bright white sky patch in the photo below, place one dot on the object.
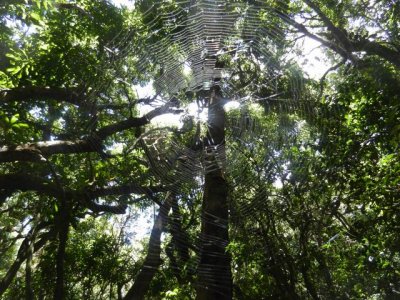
(315, 62)
(200, 114)
(145, 91)
(231, 105)
(171, 120)
(141, 227)
(187, 70)
(116, 148)
(278, 184)
(126, 3)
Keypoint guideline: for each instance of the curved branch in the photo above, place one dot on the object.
(338, 40)
(36, 152)
(86, 196)
(303, 29)
(322, 80)
(349, 46)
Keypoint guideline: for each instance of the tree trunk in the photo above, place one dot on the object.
(28, 272)
(214, 271)
(59, 292)
(153, 259)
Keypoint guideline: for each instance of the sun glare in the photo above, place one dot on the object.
(199, 113)
(231, 105)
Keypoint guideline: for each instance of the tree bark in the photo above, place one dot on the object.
(153, 258)
(21, 257)
(86, 196)
(179, 243)
(28, 271)
(63, 229)
(180, 238)
(70, 95)
(214, 270)
(38, 151)
(349, 45)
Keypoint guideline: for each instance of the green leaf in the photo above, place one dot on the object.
(23, 125)
(14, 119)
(12, 56)
(35, 16)
(15, 70)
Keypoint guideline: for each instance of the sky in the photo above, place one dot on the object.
(127, 3)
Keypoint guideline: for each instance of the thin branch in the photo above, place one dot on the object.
(348, 46)
(22, 255)
(322, 80)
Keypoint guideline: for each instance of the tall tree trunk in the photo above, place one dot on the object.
(153, 259)
(28, 272)
(179, 243)
(64, 218)
(214, 271)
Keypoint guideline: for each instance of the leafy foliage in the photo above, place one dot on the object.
(312, 167)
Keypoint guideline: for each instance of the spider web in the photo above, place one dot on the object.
(193, 46)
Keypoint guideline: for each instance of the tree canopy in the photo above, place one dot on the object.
(188, 150)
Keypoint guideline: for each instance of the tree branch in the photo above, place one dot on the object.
(70, 95)
(86, 196)
(301, 28)
(63, 230)
(349, 46)
(22, 255)
(322, 80)
(338, 33)
(36, 152)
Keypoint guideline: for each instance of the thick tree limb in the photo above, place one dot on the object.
(374, 48)
(38, 151)
(70, 95)
(303, 29)
(340, 41)
(338, 33)
(341, 38)
(35, 152)
(106, 131)
(86, 196)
